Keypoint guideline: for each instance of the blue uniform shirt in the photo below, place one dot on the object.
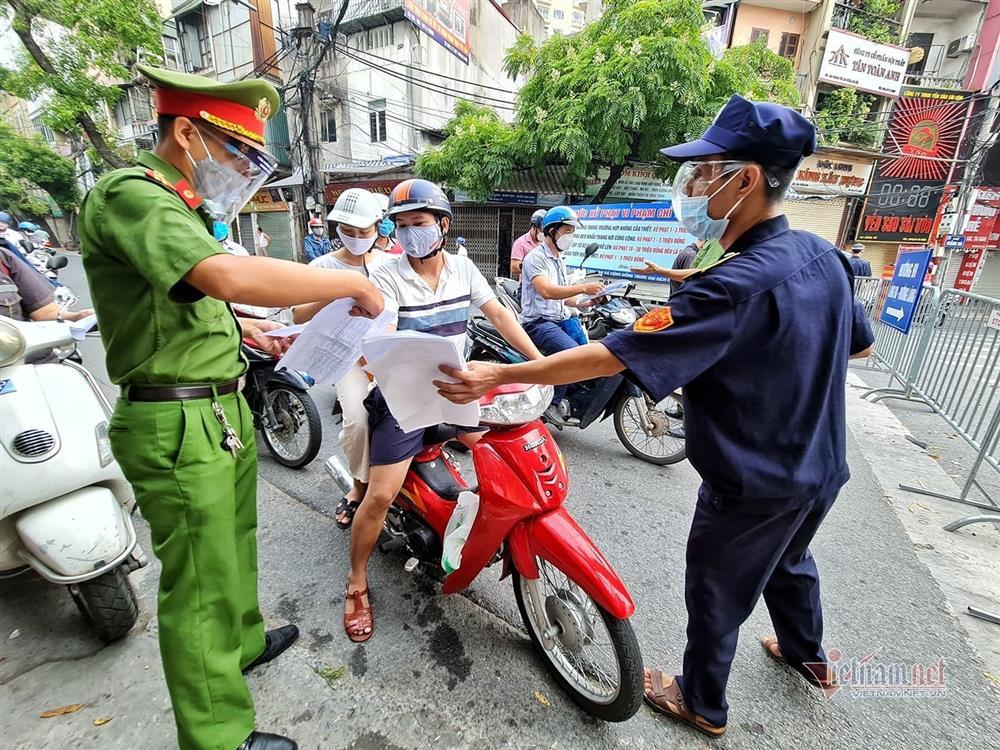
(316, 246)
(860, 266)
(760, 344)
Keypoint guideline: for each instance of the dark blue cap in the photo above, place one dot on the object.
(769, 134)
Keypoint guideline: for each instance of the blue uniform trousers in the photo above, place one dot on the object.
(735, 553)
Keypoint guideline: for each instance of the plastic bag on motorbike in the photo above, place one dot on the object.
(458, 529)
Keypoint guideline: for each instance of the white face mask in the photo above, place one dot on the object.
(419, 242)
(357, 245)
(565, 242)
(318, 231)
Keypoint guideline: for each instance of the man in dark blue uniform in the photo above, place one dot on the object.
(760, 342)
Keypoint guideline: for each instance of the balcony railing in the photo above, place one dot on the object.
(366, 14)
(851, 16)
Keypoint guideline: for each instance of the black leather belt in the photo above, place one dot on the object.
(178, 392)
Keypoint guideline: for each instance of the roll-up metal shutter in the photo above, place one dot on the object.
(278, 225)
(821, 216)
(988, 283)
(479, 225)
(246, 232)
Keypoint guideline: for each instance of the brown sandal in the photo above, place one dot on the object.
(663, 694)
(770, 644)
(360, 620)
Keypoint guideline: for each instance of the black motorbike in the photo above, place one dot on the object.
(283, 411)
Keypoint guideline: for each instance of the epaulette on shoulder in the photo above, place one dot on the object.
(719, 262)
(181, 187)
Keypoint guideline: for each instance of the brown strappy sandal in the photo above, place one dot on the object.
(359, 624)
(770, 644)
(664, 695)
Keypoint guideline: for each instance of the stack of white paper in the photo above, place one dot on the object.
(405, 365)
(330, 343)
(83, 326)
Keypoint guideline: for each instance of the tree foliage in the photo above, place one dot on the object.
(72, 53)
(640, 77)
(29, 165)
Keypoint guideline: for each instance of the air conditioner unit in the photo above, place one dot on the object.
(962, 45)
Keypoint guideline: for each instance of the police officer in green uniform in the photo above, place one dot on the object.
(181, 431)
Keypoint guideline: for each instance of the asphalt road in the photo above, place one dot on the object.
(458, 672)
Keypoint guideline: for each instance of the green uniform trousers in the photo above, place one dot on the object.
(201, 505)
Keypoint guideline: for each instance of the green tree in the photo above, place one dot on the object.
(29, 165)
(73, 52)
(639, 78)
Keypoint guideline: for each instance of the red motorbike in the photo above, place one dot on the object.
(575, 607)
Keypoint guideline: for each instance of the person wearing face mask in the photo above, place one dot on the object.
(546, 296)
(434, 292)
(160, 280)
(777, 308)
(356, 215)
(316, 244)
(526, 243)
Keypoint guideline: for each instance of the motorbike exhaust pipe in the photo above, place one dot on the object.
(339, 474)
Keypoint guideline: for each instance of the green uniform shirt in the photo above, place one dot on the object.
(139, 239)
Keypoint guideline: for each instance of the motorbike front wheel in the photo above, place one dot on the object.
(108, 603)
(664, 442)
(294, 437)
(592, 655)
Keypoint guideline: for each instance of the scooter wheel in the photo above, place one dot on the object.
(594, 657)
(108, 602)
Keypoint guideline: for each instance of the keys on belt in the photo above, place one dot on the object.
(158, 393)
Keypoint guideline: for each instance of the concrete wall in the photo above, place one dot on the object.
(412, 107)
(944, 31)
(777, 22)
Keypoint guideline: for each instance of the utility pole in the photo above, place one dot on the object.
(305, 36)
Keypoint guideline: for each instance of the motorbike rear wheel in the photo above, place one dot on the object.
(294, 441)
(594, 656)
(667, 444)
(108, 602)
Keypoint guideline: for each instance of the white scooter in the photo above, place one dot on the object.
(64, 502)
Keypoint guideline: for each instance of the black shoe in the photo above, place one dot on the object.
(264, 741)
(275, 642)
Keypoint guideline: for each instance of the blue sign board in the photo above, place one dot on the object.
(904, 289)
(629, 234)
(954, 241)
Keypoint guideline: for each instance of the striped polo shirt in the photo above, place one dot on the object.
(443, 311)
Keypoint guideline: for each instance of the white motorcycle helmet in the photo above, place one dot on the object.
(357, 208)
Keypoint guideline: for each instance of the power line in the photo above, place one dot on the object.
(434, 73)
(490, 101)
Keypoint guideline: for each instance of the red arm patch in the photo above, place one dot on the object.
(655, 320)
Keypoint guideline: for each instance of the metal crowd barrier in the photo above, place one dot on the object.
(949, 361)
(894, 352)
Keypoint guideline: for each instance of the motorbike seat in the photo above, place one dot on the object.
(484, 325)
(436, 474)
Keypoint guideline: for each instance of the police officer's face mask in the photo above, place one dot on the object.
(225, 187)
(691, 209)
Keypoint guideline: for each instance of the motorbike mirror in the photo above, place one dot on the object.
(592, 248)
(50, 250)
(56, 262)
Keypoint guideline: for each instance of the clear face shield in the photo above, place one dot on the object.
(695, 178)
(227, 185)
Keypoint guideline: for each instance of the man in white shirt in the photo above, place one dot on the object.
(434, 292)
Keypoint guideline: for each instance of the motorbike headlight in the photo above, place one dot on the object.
(514, 404)
(12, 343)
(104, 445)
(625, 316)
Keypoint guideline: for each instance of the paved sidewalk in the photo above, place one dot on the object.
(458, 672)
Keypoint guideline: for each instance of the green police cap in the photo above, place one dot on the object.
(239, 107)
